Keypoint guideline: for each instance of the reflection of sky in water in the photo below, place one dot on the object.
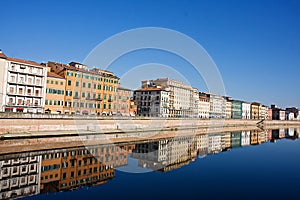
(269, 170)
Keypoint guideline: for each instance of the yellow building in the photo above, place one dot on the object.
(87, 92)
(255, 110)
(55, 93)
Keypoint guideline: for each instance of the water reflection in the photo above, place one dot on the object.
(31, 173)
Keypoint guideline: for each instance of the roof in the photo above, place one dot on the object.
(24, 61)
(69, 67)
(2, 55)
(121, 88)
(54, 75)
(149, 89)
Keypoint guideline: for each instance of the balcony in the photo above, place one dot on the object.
(110, 100)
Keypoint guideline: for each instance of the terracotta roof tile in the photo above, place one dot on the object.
(149, 89)
(52, 74)
(24, 61)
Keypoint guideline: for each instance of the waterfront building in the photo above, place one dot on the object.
(237, 109)
(182, 97)
(275, 112)
(293, 110)
(228, 108)
(87, 91)
(246, 110)
(123, 101)
(152, 102)
(270, 114)
(217, 106)
(196, 101)
(55, 93)
(255, 110)
(20, 177)
(282, 115)
(23, 85)
(263, 112)
(204, 106)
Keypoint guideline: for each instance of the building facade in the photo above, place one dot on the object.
(87, 91)
(246, 110)
(237, 109)
(228, 108)
(23, 85)
(217, 106)
(182, 96)
(55, 94)
(123, 101)
(152, 102)
(204, 106)
(255, 110)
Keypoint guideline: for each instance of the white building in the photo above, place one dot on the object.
(181, 102)
(246, 110)
(152, 102)
(282, 115)
(23, 85)
(204, 106)
(217, 106)
(20, 177)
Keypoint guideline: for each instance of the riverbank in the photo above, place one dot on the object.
(33, 125)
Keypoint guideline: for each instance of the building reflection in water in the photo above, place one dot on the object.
(24, 174)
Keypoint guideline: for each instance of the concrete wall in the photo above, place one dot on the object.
(106, 125)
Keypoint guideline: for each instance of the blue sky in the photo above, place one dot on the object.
(255, 44)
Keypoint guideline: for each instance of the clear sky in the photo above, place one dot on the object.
(255, 44)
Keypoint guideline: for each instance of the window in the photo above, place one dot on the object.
(11, 90)
(69, 82)
(77, 83)
(83, 94)
(83, 84)
(20, 90)
(56, 82)
(89, 85)
(30, 81)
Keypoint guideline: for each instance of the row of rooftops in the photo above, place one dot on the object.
(76, 66)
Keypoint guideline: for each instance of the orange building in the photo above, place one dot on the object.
(55, 93)
(87, 92)
(126, 105)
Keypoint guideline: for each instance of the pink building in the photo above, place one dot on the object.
(270, 114)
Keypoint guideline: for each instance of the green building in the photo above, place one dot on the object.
(236, 109)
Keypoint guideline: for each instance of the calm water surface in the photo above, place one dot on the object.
(233, 165)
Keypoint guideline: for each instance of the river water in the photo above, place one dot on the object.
(246, 164)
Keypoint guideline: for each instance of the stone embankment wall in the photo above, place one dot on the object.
(27, 123)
